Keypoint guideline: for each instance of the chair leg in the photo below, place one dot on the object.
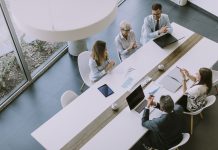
(191, 124)
(82, 86)
(202, 117)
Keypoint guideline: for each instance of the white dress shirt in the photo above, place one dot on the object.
(148, 28)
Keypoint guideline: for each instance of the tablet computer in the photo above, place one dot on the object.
(105, 90)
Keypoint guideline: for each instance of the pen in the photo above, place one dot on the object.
(179, 68)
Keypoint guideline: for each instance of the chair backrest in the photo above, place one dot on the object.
(83, 64)
(214, 77)
(185, 139)
(67, 97)
(210, 100)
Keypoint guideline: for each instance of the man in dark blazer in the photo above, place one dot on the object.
(165, 131)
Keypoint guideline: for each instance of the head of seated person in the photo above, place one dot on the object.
(166, 104)
(204, 77)
(99, 52)
(197, 93)
(125, 28)
(156, 11)
(99, 62)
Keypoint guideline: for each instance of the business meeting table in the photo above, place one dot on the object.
(126, 129)
(61, 131)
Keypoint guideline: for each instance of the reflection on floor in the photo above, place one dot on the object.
(208, 5)
(42, 100)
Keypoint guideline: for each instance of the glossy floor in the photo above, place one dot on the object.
(42, 100)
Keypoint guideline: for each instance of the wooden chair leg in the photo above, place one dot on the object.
(202, 117)
(82, 86)
(191, 124)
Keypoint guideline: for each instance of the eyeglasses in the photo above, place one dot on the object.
(125, 30)
(156, 14)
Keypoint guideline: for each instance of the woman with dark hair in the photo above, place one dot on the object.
(196, 94)
(99, 62)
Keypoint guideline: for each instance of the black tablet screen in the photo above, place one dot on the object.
(105, 90)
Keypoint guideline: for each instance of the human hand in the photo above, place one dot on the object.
(163, 29)
(110, 66)
(131, 46)
(150, 101)
(135, 45)
(183, 74)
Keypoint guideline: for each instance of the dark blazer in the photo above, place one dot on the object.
(167, 129)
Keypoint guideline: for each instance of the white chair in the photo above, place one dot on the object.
(83, 64)
(118, 55)
(210, 100)
(185, 139)
(67, 97)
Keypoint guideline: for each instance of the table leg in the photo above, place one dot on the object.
(76, 47)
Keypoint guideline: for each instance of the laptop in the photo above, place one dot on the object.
(136, 100)
(165, 40)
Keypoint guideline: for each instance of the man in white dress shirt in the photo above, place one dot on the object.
(155, 24)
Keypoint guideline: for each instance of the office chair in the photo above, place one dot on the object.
(210, 100)
(84, 70)
(67, 97)
(185, 139)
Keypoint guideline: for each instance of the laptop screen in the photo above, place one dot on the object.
(135, 97)
(165, 40)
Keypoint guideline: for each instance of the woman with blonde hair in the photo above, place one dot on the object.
(125, 41)
(99, 61)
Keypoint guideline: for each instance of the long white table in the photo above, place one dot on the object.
(67, 123)
(125, 130)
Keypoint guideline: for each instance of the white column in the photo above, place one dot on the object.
(76, 47)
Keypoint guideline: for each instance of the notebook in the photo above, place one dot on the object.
(165, 40)
(173, 81)
(136, 100)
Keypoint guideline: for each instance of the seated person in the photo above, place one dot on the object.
(196, 94)
(99, 62)
(165, 131)
(155, 24)
(125, 41)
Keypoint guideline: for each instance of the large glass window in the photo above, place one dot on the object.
(36, 53)
(11, 74)
(21, 55)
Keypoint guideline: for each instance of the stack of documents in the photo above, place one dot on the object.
(132, 79)
(173, 81)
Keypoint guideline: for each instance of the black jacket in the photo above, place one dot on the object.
(167, 129)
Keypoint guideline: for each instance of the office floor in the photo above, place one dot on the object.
(42, 100)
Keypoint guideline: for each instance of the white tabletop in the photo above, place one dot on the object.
(125, 130)
(67, 123)
(63, 20)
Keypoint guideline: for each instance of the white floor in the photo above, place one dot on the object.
(208, 5)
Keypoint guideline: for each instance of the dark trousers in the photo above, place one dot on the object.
(183, 102)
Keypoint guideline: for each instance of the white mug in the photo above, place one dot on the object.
(161, 67)
(114, 106)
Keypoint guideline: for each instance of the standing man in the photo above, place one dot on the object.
(165, 131)
(155, 24)
(125, 41)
